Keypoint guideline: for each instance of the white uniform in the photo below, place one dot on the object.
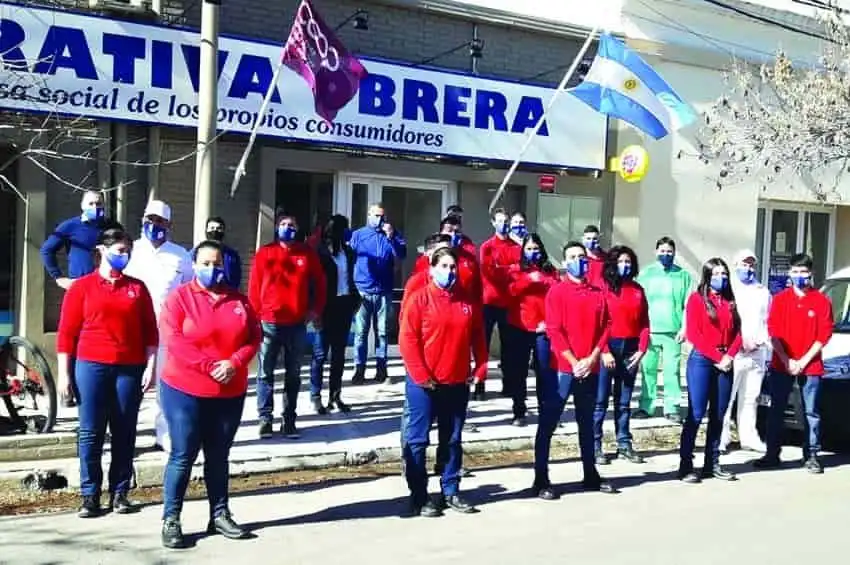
(162, 270)
(752, 302)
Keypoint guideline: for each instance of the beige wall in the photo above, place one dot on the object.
(842, 238)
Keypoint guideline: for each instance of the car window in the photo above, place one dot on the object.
(838, 291)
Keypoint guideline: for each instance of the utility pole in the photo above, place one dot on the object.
(207, 118)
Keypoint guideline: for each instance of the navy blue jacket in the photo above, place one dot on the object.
(78, 239)
(375, 256)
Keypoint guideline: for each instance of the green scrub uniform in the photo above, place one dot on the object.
(666, 292)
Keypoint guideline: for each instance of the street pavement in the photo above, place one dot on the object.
(781, 517)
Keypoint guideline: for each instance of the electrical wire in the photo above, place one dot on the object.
(766, 20)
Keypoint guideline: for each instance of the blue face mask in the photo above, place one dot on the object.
(443, 279)
(93, 214)
(154, 232)
(118, 261)
(577, 267)
(502, 228)
(624, 269)
(666, 260)
(209, 276)
(591, 244)
(346, 236)
(746, 275)
(286, 233)
(457, 239)
(719, 283)
(532, 256)
(375, 222)
(800, 281)
(519, 231)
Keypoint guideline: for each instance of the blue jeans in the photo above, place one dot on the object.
(332, 337)
(291, 340)
(108, 395)
(447, 404)
(623, 386)
(780, 385)
(374, 309)
(522, 344)
(494, 317)
(556, 388)
(197, 423)
(709, 391)
(405, 417)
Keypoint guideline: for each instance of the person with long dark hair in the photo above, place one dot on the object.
(627, 345)
(530, 280)
(337, 260)
(713, 327)
(211, 334)
(108, 325)
(442, 332)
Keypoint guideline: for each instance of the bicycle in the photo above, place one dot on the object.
(25, 376)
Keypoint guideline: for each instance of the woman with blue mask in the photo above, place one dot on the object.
(211, 335)
(713, 327)
(531, 279)
(108, 326)
(441, 334)
(627, 344)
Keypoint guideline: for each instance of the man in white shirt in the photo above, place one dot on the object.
(163, 266)
(752, 300)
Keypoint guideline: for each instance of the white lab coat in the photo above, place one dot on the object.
(162, 270)
(752, 302)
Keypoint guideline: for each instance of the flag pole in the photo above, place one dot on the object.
(563, 84)
(243, 162)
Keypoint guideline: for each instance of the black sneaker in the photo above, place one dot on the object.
(767, 463)
(121, 504)
(318, 407)
(601, 458)
(172, 534)
(359, 375)
(641, 415)
(813, 466)
(266, 431)
(519, 422)
(338, 405)
(544, 492)
(674, 417)
(629, 454)
(90, 507)
(427, 509)
(718, 472)
(457, 503)
(688, 476)
(289, 430)
(380, 374)
(226, 526)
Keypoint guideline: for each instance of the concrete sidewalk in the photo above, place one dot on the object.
(368, 434)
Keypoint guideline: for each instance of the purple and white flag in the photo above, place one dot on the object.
(314, 52)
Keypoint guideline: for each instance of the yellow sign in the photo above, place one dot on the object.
(632, 164)
(630, 84)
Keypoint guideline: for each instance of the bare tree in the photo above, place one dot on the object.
(784, 122)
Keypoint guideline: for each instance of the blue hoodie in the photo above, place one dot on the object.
(375, 256)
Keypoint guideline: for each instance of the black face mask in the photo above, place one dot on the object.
(215, 235)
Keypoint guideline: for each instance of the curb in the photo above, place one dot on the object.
(28, 447)
(47, 475)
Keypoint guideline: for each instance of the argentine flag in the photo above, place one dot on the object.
(621, 84)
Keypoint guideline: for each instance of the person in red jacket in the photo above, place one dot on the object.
(210, 333)
(595, 256)
(287, 289)
(530, 280)
(497, 254)
(439, 330)
(469, 273)
(107, 323)
(421, 276)
(799, 323)
(578, 327)
(627, 343)
(713, 327)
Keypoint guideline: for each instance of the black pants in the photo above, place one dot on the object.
(333, 338)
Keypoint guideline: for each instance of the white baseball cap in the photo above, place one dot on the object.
(158, 208)
(745, 254)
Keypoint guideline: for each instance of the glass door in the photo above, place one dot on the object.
(413, 206)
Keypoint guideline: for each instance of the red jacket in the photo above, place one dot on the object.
(107, 322)
(199, 330)
(286, 282)
(577, 321)
(468, 273)
(629, 313)
(709, 336)
(414, 282)
(527, 309)
(496, 256)
(439, 331)
(798, 322)
(595, 269)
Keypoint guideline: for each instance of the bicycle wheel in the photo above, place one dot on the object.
(32, 401)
